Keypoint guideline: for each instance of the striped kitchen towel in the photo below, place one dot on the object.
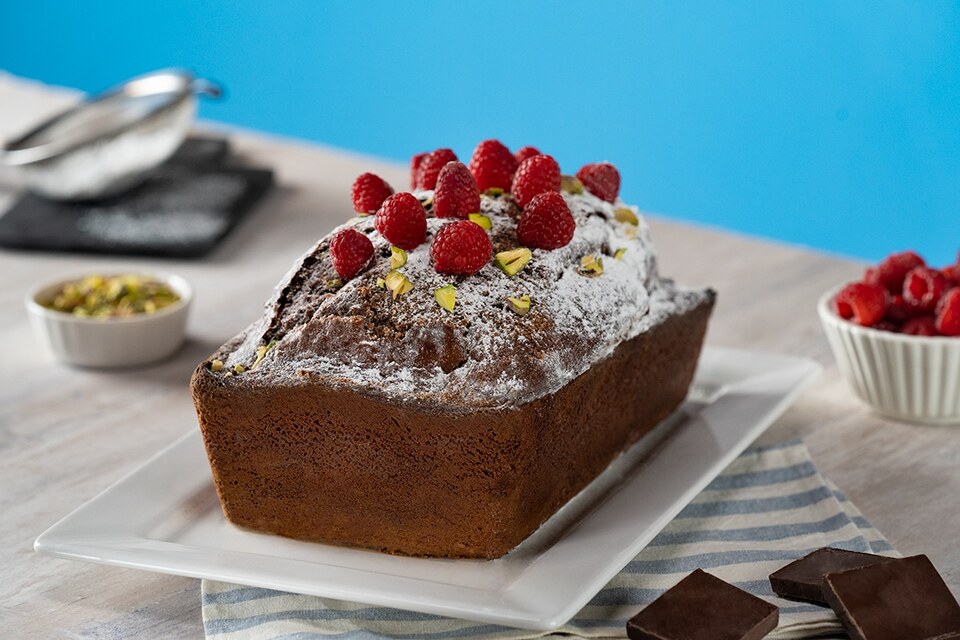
(769, 507)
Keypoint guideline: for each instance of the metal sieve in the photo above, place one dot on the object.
(110, 141)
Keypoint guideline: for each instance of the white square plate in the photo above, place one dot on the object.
(165, 516)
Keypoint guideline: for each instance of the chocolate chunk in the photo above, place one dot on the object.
(704, 607)
(904, 599)
(803, 579)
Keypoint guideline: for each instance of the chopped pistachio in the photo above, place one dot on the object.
(618, 254)
(494, 192)
(381, 283)
(446, 296)
(216, 366)
(520, 305)
(571, 184)
(426, 201)
(512, 261)
(228, 374)
(625, 215)
(398, 257)
(262, 352)
(630, 232)
(481, 220)
(239, 368)
(334, 283)
(398, 284)
(120, 296)
(590, 266)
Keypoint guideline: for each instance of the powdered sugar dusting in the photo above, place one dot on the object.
(482, 355)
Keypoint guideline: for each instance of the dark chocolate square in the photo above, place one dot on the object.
(904, 599)
(803, 579)
(703, 607)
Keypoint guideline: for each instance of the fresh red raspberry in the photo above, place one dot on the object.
(891, 272)
(350, 252)
(862, 303)
(402, 220)
(524, 153)
(492, 165)
(601, 179)
(535, 175)
(948, 313)
(952, 274)
(460, 248)
(898, 310)
(456, 195)
(368, 192)
(415, 166)
(923, 287)
(887, 325)
(430, 167)
(546, 222)
(920, 326)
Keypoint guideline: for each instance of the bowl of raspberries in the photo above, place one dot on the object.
(896, 337)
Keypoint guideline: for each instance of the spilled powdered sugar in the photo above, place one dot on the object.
(482, 355)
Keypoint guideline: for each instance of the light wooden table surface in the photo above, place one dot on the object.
(66, 434)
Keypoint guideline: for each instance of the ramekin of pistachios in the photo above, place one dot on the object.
(111, 320)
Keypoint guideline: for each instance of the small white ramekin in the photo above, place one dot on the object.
(912, 378)
(111, 342)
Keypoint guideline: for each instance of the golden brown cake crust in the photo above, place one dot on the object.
(312, 461)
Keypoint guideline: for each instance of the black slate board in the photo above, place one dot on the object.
(182, 210)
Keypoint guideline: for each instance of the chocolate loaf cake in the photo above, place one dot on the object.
(371, 415)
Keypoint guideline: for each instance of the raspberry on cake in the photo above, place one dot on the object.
(456, 195)
(415, 162)
(524, 153)
(460, 248)
(492, 165)
(402, 220)
(601, 179)
(428, 386)
(368, 193)
(350, 252)
(535, 175)
(546, 222)
(428, 168)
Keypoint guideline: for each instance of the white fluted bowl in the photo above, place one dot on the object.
(913, 378)
(110, 342)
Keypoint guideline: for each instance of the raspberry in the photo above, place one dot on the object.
(492, 165)
(415, 166)
(861, 302)
(948, 313)
(546, 222)
(899, 310)
(526, 152)
(887, 325)
(921, 326)
(368, 193)
(923, 287)
(430, 167)
(456, 195)
(534, 176)
(601, 179)
(952, 273)
(460, 248)
(891, 272)
(350, 252)
(402, 221)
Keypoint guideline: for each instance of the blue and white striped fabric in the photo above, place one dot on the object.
(769, 507)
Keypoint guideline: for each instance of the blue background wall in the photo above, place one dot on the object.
(832, 124)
